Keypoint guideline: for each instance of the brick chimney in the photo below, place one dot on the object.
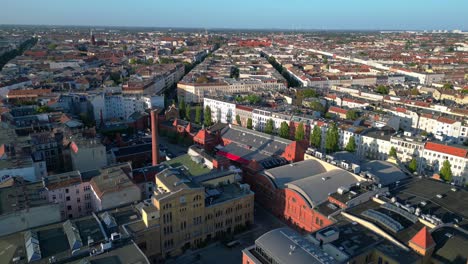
(154, 137)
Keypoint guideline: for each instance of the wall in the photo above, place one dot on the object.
(29, 218)
(114, 199)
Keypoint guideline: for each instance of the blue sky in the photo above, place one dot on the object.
(286, 14)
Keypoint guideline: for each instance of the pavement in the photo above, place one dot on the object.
(217, 252)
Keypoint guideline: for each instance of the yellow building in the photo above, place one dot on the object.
(190, 207)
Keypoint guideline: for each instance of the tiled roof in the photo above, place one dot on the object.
(423, 239)
(337, 110)
(446, 120)
(450, 150)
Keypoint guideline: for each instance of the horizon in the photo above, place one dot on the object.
(298, 15)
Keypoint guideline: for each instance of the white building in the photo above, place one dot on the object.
(113, 187)
(221, 111)
(119, 107)
(436, 153)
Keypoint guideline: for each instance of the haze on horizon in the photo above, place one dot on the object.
(245, 14)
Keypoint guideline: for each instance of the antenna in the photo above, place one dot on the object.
(291, 249)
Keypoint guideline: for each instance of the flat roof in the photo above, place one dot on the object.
(452, 203)
(294, 171)
(193, 169)
(316, 188)
(276, 244)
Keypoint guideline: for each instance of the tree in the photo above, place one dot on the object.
(269, 127)
(447, 86)
(317, 106)
(198, 113)
(238, 120)
(413, 165)
(446, 171)
(332, 137)
(352, 114)
(316, 137)
(382, 89)
(249, 123)
(182, 108)
(188, 112)
(133, 61)
(299, 135)
(44, 109)
(351, 146)
(284, 130)
(308, 93)
(207, 118)
(392, 153)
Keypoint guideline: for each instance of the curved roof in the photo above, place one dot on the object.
(295, 171)
(316, 189)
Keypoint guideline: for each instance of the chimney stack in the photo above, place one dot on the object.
(154, 137)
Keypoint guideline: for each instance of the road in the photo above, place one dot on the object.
(217, 252)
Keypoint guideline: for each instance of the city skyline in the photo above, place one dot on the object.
(297, 15)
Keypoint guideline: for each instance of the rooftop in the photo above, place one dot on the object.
(111, 179)
(276, 244)
(193, 169)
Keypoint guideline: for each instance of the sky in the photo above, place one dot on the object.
(243, 14)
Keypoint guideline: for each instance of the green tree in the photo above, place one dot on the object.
(133, 61)
(207, 118)
(329, 116)
(352, 114)
(188, 112)
(284, 130)
(238, 120)
(249, 123)
(182, 108)
(299, 135)
(413, 165)
(317, 106)
(198, 114)
(447, 86)
(392, 153)
(44, 109)
(316, 137)
(382, 89)
(332, 138)
(351, 146)
(269, 127)
(446, 171)
(308, 93)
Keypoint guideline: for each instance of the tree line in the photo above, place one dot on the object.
(9, 55)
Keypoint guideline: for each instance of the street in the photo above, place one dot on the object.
(217, 252)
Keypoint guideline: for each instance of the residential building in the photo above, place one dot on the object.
(112, 187)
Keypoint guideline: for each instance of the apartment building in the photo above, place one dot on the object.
(196, 92)
(70, 192)
(221, 111)
(112, 187)
(87, 154)
(375, 143)
(108, 107)
(436, 153)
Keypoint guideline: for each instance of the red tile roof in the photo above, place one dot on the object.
(450, 150)
(446, 120)
(423, 239)
(337, 110)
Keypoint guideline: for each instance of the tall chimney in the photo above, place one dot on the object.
(154, 137)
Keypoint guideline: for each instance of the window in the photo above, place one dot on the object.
(69, 207)
(68, 198)
(66, 190)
